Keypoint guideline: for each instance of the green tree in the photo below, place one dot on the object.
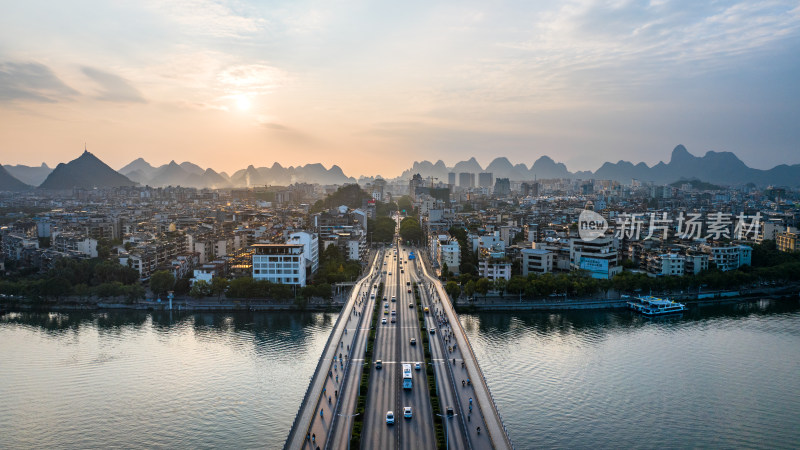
(182, 286)
(82, 290)
(161, 282)
(482, 286)
(410, 230)
(405, 204)
(381, 229)
(469, 288)
(500, 285)
(200, 289)
(453, 289)
(516, 285)
(134, 293)
(218, 286)
(241, 287)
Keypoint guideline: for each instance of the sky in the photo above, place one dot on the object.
(373, 86)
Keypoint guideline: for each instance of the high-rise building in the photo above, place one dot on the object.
(451, 179)
(531, 189)
(466, 180)
(413, 184)
(502, 187)
(485, 179)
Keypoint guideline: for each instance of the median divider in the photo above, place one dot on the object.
(430, 375)
(363, 387)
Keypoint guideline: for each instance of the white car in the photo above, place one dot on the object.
(407, 412)
(389, 417)
(383, 321)
(417, 366)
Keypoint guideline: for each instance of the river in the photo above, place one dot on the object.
(723, 377)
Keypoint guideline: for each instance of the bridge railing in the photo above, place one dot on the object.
(336, 411)
(474, 358)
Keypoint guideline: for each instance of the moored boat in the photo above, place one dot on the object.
(654, 306)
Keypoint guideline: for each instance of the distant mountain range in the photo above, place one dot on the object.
(715, 167)
(10, 183)
(191, 175)
(722, 168)
(173, 174)
(86, 171)
(31, 175)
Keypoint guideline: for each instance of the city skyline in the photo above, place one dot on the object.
(372, 88)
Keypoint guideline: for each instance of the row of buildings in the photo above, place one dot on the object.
(192, 233)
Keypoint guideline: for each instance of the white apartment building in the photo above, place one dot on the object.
(669, 264)
(65, 242)
(450, 254)
(279, 263)
(494, 268)
(536, 260)
(729, 257)
(310, 244)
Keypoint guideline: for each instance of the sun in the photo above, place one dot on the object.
(243, 103)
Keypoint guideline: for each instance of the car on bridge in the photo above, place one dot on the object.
(417, 366)
(383, 321)
(412, 341)
(407, 412)
(378, 364)
(389, 417)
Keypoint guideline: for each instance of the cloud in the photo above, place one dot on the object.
(113, 88)
(285, 134)
(33, 82)
(251, 78)
(275, 126)
(220, 19)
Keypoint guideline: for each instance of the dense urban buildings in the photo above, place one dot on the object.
(496, 230)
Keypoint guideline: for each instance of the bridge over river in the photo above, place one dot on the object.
(326, 415)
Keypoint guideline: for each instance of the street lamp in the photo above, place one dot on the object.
(446, 434)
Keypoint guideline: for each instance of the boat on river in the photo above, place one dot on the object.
(654, 306)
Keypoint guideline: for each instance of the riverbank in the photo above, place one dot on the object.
(178, 304)
(498, 303)
(488, 303)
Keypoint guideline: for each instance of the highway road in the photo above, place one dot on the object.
(393, 347)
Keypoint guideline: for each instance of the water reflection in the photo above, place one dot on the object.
(719, 376)
(601, 322)
(155, 379)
